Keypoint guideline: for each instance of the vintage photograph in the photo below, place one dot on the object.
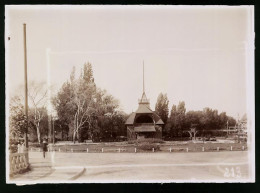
(129, 94)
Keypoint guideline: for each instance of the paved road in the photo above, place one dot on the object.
(132, 167)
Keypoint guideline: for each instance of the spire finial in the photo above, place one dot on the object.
(143, 76)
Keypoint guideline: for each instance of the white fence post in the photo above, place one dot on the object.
(243, 147)
(135, 150)
(59, 149)
(87, 150)
(170, 149)
(153, 149)
(102, 150)
(230, 148)
(217, 148)
(203, 149)
(187, 149)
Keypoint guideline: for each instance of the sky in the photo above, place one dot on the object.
(194, 54)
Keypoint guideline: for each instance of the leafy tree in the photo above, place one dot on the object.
(37, 99)
(17, 118)
(37, 93)
(170, 128)
(180, 117)
(161, 107)
(81, 105)
(88, 73)
(17, 122)
(193, 118)
(107, 117)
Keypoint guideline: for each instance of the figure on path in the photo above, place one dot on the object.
(44, 147)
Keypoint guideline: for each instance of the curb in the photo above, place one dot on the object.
(78, 175)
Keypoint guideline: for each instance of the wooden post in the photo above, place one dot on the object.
(59, 149)
(217, 148)
(170, 149)
(231, 148)
(243, 147)
(135, 149)
(119, 150)
(153, 149)
(87, 150)
(102, 150)
(203, 149)
(187, 149)
(71, 149)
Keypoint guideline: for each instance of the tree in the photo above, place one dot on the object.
(180, 117)
(161, 107)
(62, 103)
(193, 118)
(38, 98)
(88, 73)
(80, 104)
(170, 128)
(107, 117)
(83, 102)
(17, 118)
(17, 122)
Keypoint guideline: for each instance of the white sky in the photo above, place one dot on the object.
(194, 54)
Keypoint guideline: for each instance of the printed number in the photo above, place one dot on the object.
(233, 173)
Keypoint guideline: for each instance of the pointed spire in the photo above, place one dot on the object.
(143, 76)
(144, 99)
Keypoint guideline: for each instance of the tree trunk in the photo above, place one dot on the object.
(91, 137)
(38, 133)
(78, 136)
(74, 136)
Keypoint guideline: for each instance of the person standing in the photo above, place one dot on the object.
(44, 147)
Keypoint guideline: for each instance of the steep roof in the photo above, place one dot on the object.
(143, 108)
(158, 120)
(130, 119)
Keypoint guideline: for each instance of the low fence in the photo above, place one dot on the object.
(18, 162)
(133, 149)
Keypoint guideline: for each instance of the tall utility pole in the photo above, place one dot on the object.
(26, 87)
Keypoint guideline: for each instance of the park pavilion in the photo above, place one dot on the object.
(144, 123)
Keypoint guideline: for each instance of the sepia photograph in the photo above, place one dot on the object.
(129, 94)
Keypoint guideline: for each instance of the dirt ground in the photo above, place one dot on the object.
(138, 167)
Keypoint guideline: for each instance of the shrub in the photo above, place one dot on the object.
(146, 140)
(13, 148)
(149, 147)
(150, 140)
(13, 145)
(131, 142)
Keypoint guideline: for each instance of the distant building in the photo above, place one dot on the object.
(144, 123)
